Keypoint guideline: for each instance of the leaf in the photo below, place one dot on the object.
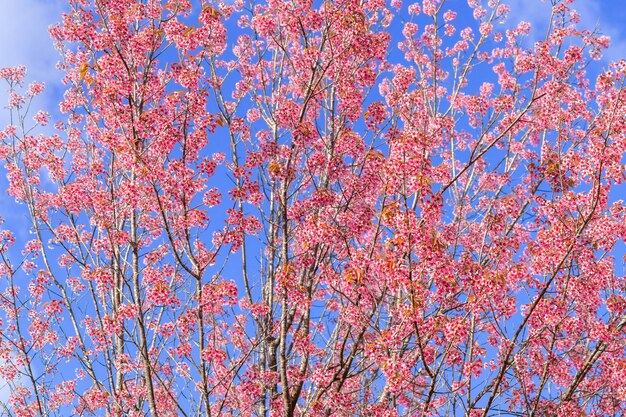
(353, 275)
(389, 211)
(211, 12)
(82, 70)
(274, 168)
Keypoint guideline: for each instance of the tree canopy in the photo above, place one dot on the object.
(317, 208)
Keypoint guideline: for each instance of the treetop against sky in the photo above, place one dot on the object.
(312, 208)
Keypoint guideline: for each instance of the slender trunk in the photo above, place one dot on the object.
(143, 343)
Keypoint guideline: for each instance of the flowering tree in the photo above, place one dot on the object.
(330, 208)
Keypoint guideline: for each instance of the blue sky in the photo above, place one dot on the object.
(24, 40)
(24, 25)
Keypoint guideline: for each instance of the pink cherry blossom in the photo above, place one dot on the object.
(305, 208)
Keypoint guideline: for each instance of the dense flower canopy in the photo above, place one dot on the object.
(317, 208)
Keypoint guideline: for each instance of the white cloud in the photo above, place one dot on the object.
(599, 15)
(24, 38)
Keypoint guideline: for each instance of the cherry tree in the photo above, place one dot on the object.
(317, 208)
